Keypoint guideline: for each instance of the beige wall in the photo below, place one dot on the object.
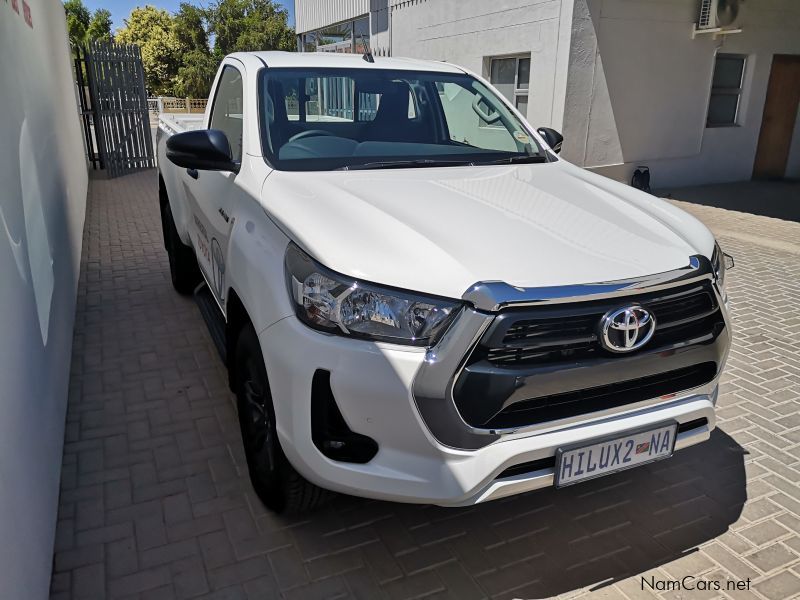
(42, 205)
(638, 88)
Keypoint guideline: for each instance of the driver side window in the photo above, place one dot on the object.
(227, 114)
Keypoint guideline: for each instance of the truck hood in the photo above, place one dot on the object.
(440, 230)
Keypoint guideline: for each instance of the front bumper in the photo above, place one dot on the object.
(374, 388)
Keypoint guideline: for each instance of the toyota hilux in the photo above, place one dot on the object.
(418, 300)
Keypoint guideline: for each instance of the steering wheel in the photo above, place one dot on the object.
(308, 133)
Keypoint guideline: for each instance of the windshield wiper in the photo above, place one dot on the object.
(406, 164)
(517, 159)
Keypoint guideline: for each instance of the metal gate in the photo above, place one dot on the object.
(116, 121)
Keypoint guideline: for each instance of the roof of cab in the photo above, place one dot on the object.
(347, 61)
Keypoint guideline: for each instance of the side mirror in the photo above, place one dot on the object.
(203, 149)
(552, 137)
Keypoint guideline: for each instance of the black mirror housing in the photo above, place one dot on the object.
(202, 149)
(552, 137)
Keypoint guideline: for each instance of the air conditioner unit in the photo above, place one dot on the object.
(718, 17)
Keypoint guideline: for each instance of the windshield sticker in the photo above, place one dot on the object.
(522, 137)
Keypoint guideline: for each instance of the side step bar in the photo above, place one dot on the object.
(214, 319)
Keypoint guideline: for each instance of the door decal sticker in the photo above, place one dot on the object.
(217, 268)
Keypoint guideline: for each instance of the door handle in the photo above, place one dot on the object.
(192, 173)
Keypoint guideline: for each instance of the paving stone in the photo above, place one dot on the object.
(770, 558)
(121, 557)
(142, 581)
(189, 577)
(779, 587)
(150, 532)
(90, 582)
(239, 572)
(731, 562)
(262, 588)
(79, 557)
(217, 549)
(168, 553)
(177, 508)
(288, 568)
(763, 532)
(327, 589)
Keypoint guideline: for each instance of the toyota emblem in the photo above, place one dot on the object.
(627, 329)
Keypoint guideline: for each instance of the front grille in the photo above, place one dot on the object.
(561, 406)
(557, 334)
(545, 363)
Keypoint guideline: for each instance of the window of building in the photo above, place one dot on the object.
(227, 112)
(361, 34)
(511, 76)
(308, 42)
(336, 38)
(726, 90)
(347, 37)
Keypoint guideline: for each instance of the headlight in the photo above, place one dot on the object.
(331, 302)
(721, 262)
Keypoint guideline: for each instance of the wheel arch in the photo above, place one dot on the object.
(163, 205)
(237, 318)
(163, 196)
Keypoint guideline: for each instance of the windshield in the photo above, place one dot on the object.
(324, 119)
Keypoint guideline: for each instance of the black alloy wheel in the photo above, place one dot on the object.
(280, 487)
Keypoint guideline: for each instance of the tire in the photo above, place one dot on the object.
(280, 487)
(183, 269)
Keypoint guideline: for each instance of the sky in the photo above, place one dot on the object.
(122, 8)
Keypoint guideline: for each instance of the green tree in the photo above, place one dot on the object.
(198, 67)
(196, 75)
(78, 18)
(100, 26)
(246, 25)
(153, 30)
(190, 27)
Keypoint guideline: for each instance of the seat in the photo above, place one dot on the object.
(391, 122)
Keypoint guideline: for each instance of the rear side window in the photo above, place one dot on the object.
(228, 109)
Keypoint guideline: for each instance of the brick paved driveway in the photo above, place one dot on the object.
(155, 500)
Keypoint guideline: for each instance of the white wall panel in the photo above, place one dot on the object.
(42, 206)
(468, 32)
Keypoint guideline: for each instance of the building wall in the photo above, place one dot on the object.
(315, 14)
(43, 180)
(468, 32)
(638, 88)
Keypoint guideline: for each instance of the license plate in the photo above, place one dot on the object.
(610, 455)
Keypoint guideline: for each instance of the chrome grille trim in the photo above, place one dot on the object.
(432, 389)
(494, 295)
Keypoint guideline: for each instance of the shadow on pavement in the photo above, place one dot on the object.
(552, 541)
(778, 199)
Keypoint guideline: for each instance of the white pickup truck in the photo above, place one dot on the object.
(418, 300)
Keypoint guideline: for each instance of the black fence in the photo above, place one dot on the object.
(113, 105)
